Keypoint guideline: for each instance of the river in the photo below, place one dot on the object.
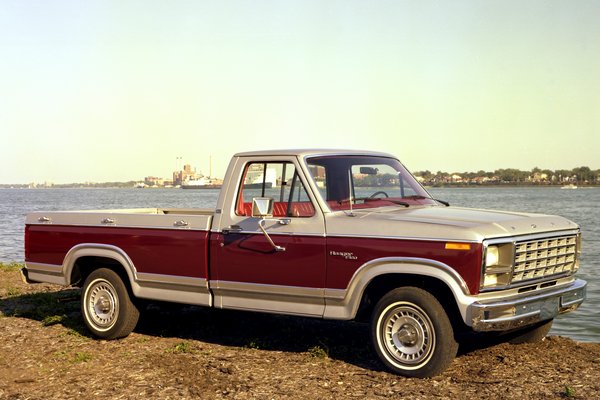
(579, 205)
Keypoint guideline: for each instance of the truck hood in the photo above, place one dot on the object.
(447, 223)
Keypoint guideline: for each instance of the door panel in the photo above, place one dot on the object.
(250, 258)
(247, 271)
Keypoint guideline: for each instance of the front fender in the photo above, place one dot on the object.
(344, 303)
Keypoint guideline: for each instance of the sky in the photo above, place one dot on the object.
(119, 90)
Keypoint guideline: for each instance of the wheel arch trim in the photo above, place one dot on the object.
(103, 251)
(344, 303)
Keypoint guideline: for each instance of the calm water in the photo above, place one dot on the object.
(579, 205)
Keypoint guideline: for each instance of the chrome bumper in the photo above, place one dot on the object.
(517, 312)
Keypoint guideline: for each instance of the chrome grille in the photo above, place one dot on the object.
(544, 257)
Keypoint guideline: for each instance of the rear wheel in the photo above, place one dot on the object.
(106, 306)
(412, 333)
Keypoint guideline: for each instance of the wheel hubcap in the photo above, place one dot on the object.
(103, 305)
(408, 334)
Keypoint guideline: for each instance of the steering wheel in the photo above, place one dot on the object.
(379, 192)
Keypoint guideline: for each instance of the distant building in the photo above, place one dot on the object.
(153, 181)
(538, 177)
(456, 178)
(187, 174)
(46, 184)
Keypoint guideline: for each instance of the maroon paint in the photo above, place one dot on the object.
(250, 258)
(158, 251)
(340, 270)
(246, 258)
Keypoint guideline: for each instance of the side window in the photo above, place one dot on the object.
(278, 180)
(318, 173)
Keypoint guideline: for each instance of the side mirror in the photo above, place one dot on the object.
(262, 207)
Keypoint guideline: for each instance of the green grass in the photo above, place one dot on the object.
(69, 357)
(53, 320)
(254, 344)
(42, 306)
(181, 348)
(75, 332)
(318, 352)
(49, 308)
(13, 266)
(569, 392)
(80, 357)
(13, 292)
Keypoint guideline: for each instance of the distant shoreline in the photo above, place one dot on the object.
(436, 186)
(509, 185)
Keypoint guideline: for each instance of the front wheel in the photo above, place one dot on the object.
(412, 333)
(106, 306)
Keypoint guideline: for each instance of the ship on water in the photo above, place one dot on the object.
(201, 183)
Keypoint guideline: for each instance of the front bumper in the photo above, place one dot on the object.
(523, 310)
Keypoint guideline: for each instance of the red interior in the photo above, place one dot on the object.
(299, 209)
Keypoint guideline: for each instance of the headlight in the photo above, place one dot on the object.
(497, 266)
(491, 256)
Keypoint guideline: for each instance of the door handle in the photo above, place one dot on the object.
(231, 229)
(180, 223)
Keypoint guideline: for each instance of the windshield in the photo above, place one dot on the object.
(354, 182)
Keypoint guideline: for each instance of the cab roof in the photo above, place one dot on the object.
(312, 152)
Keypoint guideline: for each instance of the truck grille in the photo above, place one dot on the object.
(544, 257)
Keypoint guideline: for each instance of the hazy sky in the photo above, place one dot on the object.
(103, 91)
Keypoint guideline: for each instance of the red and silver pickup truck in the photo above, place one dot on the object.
(332, 234)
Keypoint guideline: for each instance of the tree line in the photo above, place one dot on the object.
(580, 176)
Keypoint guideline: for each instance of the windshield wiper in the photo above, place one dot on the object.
(400, 203)
(441, 202)
(416, 197)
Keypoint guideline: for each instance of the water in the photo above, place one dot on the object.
(16, 203)
(578, 205)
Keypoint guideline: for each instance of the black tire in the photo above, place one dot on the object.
(533, 334)
(412, 333)
(106, 306)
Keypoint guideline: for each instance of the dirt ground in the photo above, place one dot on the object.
(181, 352)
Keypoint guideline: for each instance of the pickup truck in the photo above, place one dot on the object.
(334, 234)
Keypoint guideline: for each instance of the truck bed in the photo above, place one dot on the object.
(195, 218)
(156, 243)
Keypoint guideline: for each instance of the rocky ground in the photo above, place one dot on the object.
(188, 352)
